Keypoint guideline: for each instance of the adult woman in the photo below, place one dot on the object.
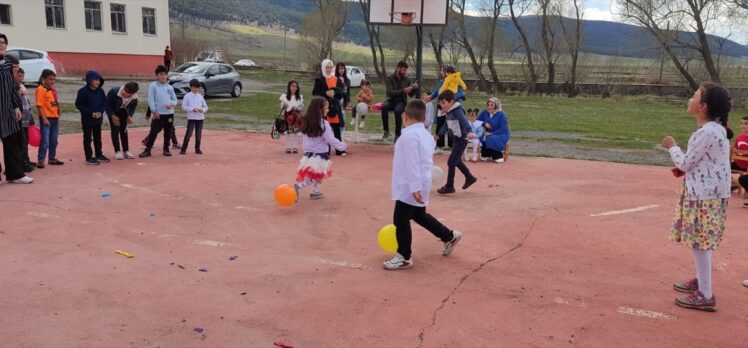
(10, 114)
(331, 88)
(497, 131)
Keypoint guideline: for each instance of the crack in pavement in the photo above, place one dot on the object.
(422, 334)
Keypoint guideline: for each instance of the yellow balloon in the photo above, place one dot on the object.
(387, 238)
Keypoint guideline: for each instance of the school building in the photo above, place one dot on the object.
(114, 37)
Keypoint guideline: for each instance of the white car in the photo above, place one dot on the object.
(33, 62)
(244, 63)
(356, 75)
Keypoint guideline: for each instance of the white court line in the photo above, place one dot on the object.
(248, 208)
(41, 215)
(570, 302)
(645, 313)
(342, 263)
(210, 243)
(626, 211)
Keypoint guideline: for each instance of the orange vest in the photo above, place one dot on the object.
(332, 83)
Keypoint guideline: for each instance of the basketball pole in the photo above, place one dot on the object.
(419, 59)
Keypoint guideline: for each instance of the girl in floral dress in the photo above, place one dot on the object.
(702, 208)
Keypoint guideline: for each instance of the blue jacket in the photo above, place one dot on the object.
(499, 130)
(457, 125)
(435, 94)
(90, 101)
(159, 95)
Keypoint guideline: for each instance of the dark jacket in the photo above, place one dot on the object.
(320, 89)
(396, 88)
(9, 100)
(457, 125)
(346, 89)
(114, 104)
(90, 101)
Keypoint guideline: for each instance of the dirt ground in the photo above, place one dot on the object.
(556, 253)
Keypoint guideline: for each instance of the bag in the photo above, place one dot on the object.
(279, 127)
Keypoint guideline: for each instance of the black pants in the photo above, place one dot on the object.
(443, 141)
(403, 214)
(173, 138)
(23, 143)
(12, 156)
(95, 133)
(119, 133)
(743, 180)
(336, 132)
(197, 126)
(486, 152)
(165, 123)
(167, 64)
(455, 161)
(398, 107)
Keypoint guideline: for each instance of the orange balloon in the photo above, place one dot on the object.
(285, 195)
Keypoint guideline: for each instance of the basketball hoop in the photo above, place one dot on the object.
(405, 18)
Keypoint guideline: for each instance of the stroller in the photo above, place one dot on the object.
(286, 122)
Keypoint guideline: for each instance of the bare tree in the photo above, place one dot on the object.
(548, 34)
(492, 10)
(573, 40)
(377, 53)
(692, 16)
(477, 62)
(436, 38)
(516, 9)
(322, 26)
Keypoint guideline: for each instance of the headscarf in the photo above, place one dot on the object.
(325, 63)
(496, 102)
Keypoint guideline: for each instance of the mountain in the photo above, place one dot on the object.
(599, 37)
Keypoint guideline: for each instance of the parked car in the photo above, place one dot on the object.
(356, 75)
(33, 62)
(215, 78)
(244, 63)
(213, 56)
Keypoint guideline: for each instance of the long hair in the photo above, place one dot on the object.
(717, 101)
(344, 75)
(311, 124)
(288, 90)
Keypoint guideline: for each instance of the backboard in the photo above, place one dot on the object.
(408, 12)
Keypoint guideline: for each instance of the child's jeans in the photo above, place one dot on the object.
(197, 126)
(49, 139)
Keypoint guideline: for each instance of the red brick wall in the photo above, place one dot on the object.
(112, 65)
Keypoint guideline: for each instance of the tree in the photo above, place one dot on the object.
(477, 62)
(322, 26)
(374, 42)
(686, 23)
(492, 10)
(516, 9)
(572, 39)
(436, 38)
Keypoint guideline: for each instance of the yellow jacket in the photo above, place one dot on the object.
(452, 82)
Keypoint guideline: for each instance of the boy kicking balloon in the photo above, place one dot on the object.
(411, 184)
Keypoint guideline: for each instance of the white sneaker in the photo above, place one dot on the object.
(485, 159)
(24, 180)
(361, 124)
(450, 246)
(129, 155)
(438, 151)
(119, 155)
(500, 160)
(398, 262)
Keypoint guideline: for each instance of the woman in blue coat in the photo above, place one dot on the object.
(496, 135)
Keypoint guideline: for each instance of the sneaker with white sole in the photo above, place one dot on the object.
(361, 124)
(438, 151)
(745, 283)
(398, 262)
(119, 155)
(485, 159)
(500, 160)
(24, 180)
(129, 155)
(450, 246)
(316, 195)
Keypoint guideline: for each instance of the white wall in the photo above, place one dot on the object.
(29, 28)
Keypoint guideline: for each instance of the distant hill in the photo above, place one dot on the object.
(599, 37)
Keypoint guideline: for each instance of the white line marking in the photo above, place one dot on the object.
(143, 189)
(210, 243)
(42, 215)
(722, 266)
(247, 208)
(343, 264)
(626, 211)
(570, 302)
(645, 313)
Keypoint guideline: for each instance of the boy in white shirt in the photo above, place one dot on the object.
(195, 106)
(411, 184)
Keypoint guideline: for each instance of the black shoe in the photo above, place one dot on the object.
(198, 151)
(182, 152)
(167, 153)
(469, 182)
(28, 168)
(102, 159)
(176, 146)
(145, 153)
(386, 135)
(446, 189)
(92, 162)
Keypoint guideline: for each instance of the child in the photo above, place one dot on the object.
(27, 120)
(477, 128)
(292, 104)
(430, 114)
(161, 100)
(174, 141)
(459, 132)
(364, 97)
(317, 137)
(49, 118)
(452, 81)
(91, 102)
(411, 184)
(741, 143)
(121, 103)
(702, 208)
(195, 106)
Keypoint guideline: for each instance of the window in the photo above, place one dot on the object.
(13, 53)
(55, 11)
(118, 18)
(355, 71)
(93, 15)
(149, 21)
(27, 55)
(214, 70)
(5, 14)
(225, 69)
